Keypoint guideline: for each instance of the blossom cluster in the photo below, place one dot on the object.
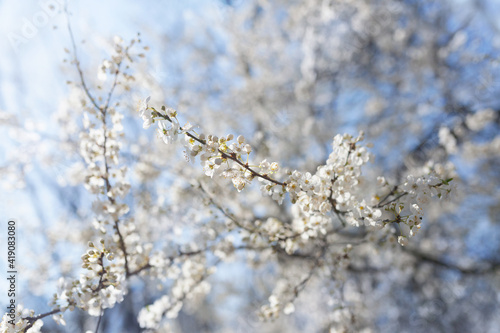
(335, 192)
(99, 287)
(99, 146)
(102, 284)
(334, 189)
(20, 322)
(225, 156)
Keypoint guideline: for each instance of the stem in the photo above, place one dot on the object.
(32, 320)
(231, 156)
(99, 321)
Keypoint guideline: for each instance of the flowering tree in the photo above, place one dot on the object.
(284, 214)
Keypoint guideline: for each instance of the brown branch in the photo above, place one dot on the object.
(103, 112)
(332, 201)
(32, 320)
(230, 156)
(99, 321)
(474, 270)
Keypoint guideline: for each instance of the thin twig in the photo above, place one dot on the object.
(32, 320)
(99, 321)
(77, 63)
(474, 270)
